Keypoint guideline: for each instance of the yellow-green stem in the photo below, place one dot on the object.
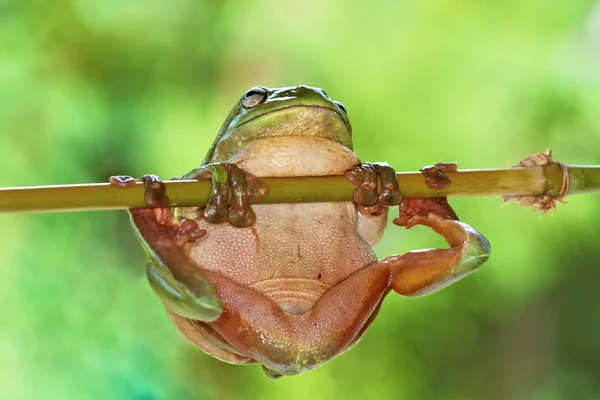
(536, 180)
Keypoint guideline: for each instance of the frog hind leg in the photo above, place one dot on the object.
(176, 279)
(421, 272)
(288, 343)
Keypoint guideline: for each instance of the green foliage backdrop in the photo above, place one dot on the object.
(89, 89)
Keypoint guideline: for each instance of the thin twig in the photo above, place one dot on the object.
(535, 180)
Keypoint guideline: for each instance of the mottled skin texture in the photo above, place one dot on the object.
(300, 284)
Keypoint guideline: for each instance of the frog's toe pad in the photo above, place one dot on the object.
(241, 217)
(155, 195)
(435, 176)
(215, 214)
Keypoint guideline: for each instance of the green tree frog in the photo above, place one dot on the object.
(290, 286)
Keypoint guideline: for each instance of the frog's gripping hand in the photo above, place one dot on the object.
(377, 187)
(244, 187)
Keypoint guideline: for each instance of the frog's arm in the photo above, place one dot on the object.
(244, 187)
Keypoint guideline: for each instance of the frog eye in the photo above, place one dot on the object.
(341, 106)
(253, 97)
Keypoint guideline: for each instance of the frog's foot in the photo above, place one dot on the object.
(437, 207)
(366, 196)
(155, 188)
(155, 196)
(244, 187)
(410, 208)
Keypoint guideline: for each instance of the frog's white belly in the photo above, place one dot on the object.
(294, 252)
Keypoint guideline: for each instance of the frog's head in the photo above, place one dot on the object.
(289, 111)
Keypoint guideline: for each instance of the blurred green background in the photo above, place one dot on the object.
(89, 89)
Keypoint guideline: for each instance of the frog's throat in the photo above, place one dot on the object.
(308, 121)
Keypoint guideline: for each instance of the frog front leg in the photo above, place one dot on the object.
(244, 187)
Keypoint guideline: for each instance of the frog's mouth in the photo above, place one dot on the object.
(297, 120)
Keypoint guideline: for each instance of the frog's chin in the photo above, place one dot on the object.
(296, 121)
(287, 156)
